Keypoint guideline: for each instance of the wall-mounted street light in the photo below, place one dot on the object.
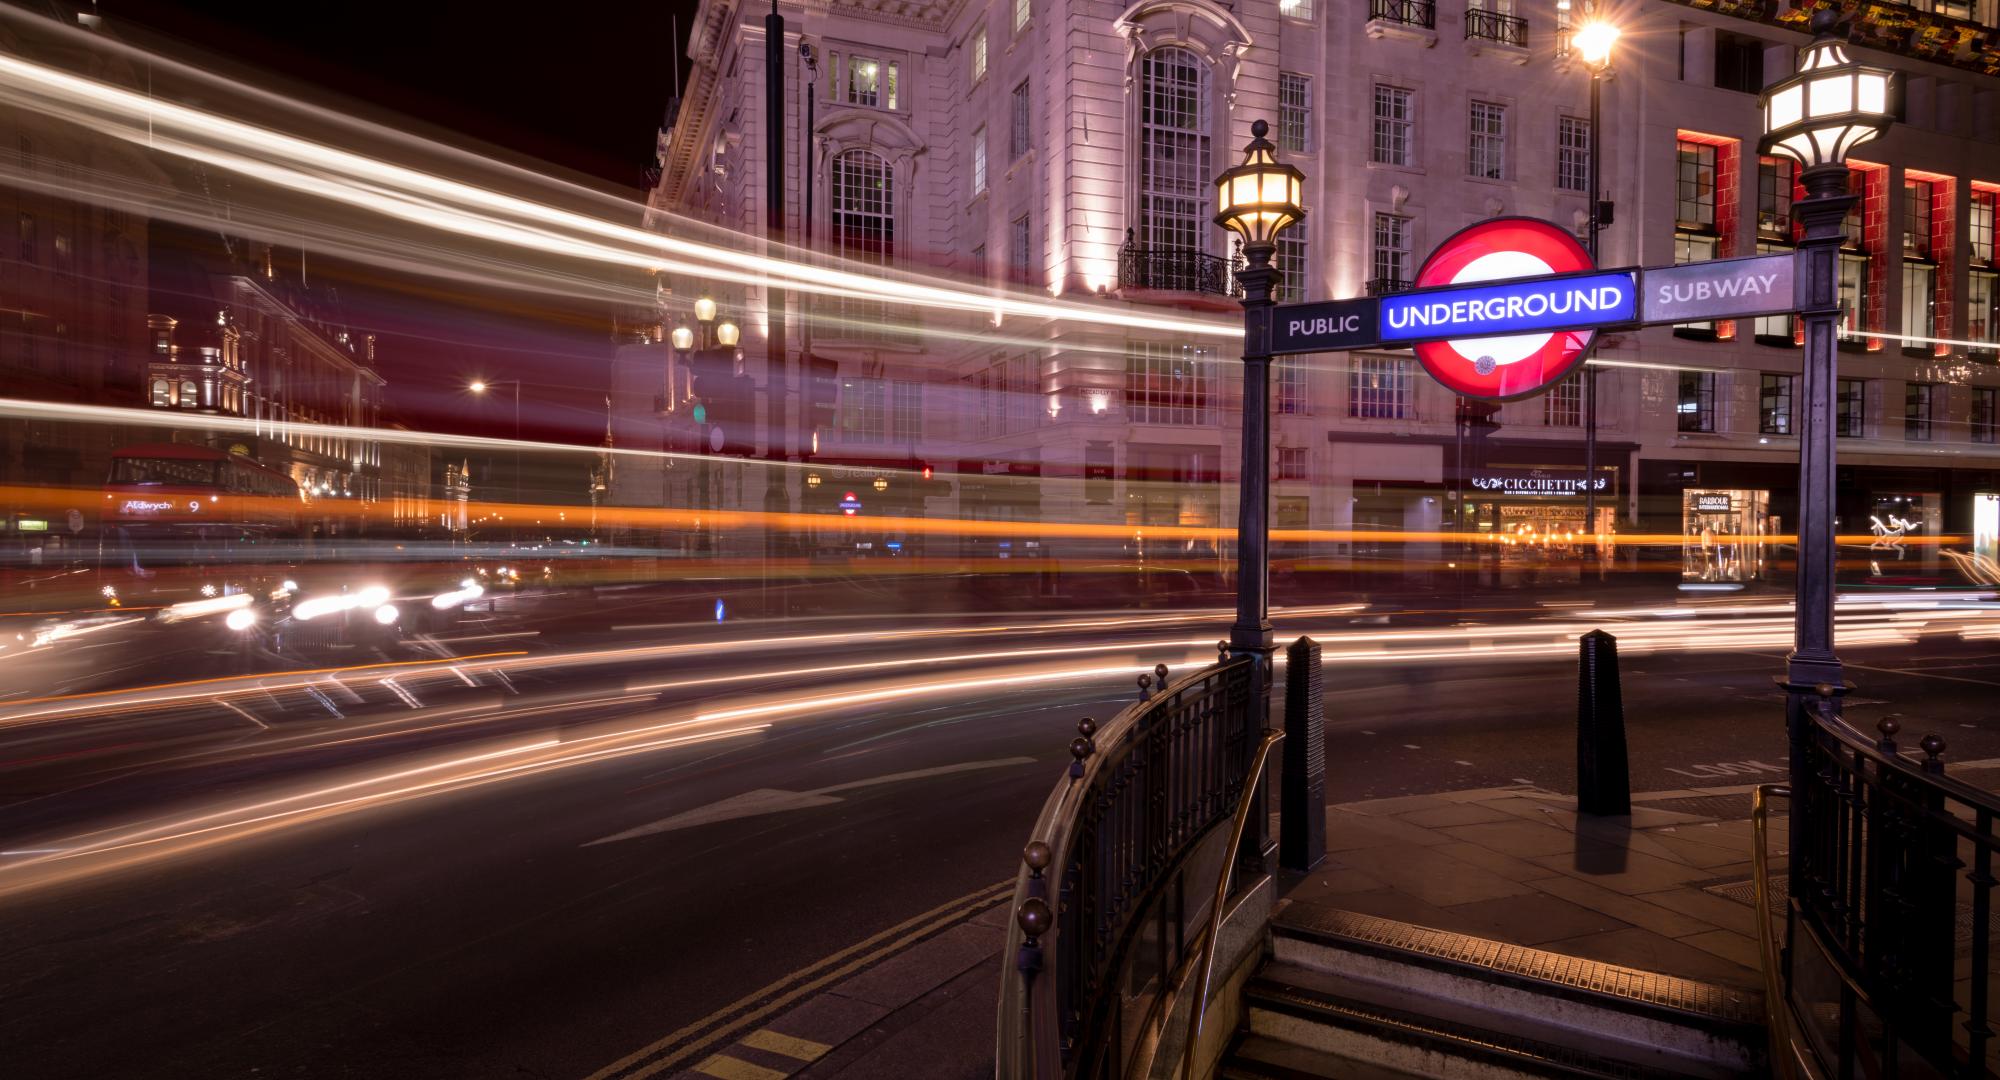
(1814, 117)
(727, 334)
(812, 480)
(881, 483)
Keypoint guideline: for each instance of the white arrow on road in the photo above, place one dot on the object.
(772, 800)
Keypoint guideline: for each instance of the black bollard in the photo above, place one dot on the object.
(1603, 778)
(1302, 782)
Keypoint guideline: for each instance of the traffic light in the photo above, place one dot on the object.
(724, 401)
(931, 485)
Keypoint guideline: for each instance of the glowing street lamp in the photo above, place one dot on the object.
(683, 338)
(477, 387)
(1593, 42)
(727, 334)
(1814, 117)
(1260, 197)
(704, 310)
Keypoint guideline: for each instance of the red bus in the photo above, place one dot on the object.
(176, 502)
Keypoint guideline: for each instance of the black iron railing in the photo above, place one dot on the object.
(1888, 960)
(1493, 26)
(1108, 870)
(1413, 12)
(1383, 286)
(1178, 269)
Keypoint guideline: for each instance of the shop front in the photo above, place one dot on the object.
(1533, 520)
(1723, 535)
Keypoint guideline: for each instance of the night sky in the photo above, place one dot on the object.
(581, 87)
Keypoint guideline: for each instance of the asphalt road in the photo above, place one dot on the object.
(539, 868)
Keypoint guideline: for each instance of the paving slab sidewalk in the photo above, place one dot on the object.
(1518, 864)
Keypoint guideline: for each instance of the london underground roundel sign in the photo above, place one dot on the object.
(1498, 368)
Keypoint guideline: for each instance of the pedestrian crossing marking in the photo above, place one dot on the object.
(790, 1046)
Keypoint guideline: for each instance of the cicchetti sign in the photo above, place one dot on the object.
(1544, 326)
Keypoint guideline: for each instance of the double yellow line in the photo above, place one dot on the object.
(754, 1007)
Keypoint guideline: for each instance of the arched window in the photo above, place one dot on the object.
(189, 394)
(864, 207)
(162, 393)
(1174, 172)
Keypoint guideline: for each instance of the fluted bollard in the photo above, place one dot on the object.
(1603, 777)
(1302, 785)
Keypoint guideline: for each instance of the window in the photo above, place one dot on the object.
(162, 394)
(1395, 117)
(1739, 62)
(1296, 9)
(978, 55)
(1391, 262)
(979, 162)
(1018, 137)
(1919, 304)
(1692, 248)
(1850, 408)
(1021, 250)
(870, 82)
(979, 259)
(1917, 401)
(1572, 154)
(1291, 373)
(1486, 146)
(1022, 9)
(1294, 112)
(1774, 198)
(1774, 404)
(1378, 388)
(1174, 173)
(1917, 219)
(1695, 409)
(1853, 290)
(27, 238)
(1291, 263)
(1169, 384)
(1292, 462)
(879, 411)
(863, 211)
(1979, 226)
(1695, 175)
(190, 396)
(1780, 330)
(1562, 406)
(1982, 291)
(62, 249)
(1985, 399)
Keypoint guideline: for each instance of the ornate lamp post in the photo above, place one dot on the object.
(1593, 42)
(1257, 200)
(1828, 107)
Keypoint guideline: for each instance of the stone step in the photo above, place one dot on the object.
(1254, 1057)
(1443, 993)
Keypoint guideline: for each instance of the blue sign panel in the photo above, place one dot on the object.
(1520, 306)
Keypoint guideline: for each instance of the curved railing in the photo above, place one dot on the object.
(1887, 968)
(1111, 863)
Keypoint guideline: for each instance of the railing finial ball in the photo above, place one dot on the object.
(1034, 916)
(1221, 651)
(1086, 727)
(1888, 726)
(1037, 856)
(1933, 748)
(1824, 689)
(1080, 748)
(1145, 684)
(1160, 675)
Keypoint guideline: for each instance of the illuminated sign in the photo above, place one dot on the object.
(146, 506)
(1531, 333)
(1721, 288)
(1711, 502)
(1332, 326)
(1539, 482)
(850, 505)
(32, 525)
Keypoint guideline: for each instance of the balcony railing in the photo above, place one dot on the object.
(1409, 12)
(1493, 26)
(1383, 286)
(1177, 269)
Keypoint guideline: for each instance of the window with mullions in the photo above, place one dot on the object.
(1394, 126)
(1917, 219)
(1391, 260)
(1692, 247)
(1774, 197)
(1294, 112)
(1919, 304)
(1022, 9)
(1694, 409)
(1774, 404)
(1562, 406)
(1021, 134)
(1985, 401)
(1780, 330)
(1174, 174)
(978, 55)
(1853, 291)
(871, 83)
(1850, 408)
(1021, 251)
(1486, 140)
(1695, 185)
(979, 161)
(1982, 292)
(864, 224)
(1290, 260)
(1378, 388)
(1291, 463)
(1918, 399)
(1979, 227)
(1296, 9)
(1169, 384)
(1572, 154)
(1291, 379)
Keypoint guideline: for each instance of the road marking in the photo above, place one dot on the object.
(243, 714)
(763, 801)
(790, 1046)
(1729, 768)
(841, 963)
(729, 1068)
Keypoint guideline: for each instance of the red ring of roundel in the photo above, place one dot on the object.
(1547, 366)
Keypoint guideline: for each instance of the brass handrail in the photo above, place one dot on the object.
(1198, 1010)
(1778, 1011)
